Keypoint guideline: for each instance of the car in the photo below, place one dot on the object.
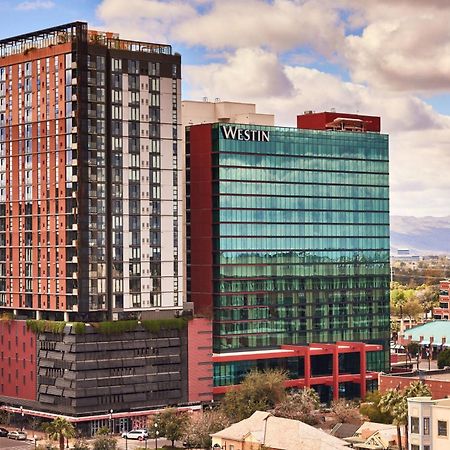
(140, 435)
(3, 432)
(19, 435)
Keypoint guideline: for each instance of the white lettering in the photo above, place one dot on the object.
(229, 132)
(244, 134)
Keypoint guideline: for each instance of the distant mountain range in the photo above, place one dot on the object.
(421, 235)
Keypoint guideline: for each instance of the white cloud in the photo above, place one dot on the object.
(279, 24)
(248, 73)
(152, 20)
(419, 136)
(35, 4)
(393, 50)
(404, 45)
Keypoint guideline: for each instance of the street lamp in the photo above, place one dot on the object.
(22, 414)
(111, 424)
(35, 439)
(156, 435)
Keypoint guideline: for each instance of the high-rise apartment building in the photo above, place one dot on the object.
(90, 185)
(90, 228)
(288, 248)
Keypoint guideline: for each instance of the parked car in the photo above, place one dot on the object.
(3, 432)
(19, 435)
(136, 434)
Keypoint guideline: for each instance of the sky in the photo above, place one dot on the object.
(376, 57)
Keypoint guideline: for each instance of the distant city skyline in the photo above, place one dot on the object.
(289, 56)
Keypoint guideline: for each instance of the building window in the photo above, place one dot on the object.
(415, 425)
(426, 425)
(426, 447)
(442, 428)
(415, 447)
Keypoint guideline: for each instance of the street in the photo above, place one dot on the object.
(12, 444)
(122, 444)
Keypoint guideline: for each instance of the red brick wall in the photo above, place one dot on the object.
(439, 389)
(200, 367)
(17, 360)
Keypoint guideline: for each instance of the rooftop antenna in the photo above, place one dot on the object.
(217, 99)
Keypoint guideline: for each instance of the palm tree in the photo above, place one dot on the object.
(59, 430)
(392, 403)
(415, 389)
(396, 404)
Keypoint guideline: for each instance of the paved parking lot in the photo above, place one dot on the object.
(12, 444)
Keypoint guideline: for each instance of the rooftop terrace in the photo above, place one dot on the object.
(75, 31)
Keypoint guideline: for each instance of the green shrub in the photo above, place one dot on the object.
(79, 328)
(156, 325)
(116, 327)
(49, 326)
(443, 358)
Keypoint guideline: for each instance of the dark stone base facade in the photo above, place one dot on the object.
(92, 372)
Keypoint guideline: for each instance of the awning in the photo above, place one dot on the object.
(425, 342)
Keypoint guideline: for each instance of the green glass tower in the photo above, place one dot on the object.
(299, 242)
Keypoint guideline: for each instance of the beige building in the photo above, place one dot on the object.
(429, 422)
(195, 112)
(263, 430)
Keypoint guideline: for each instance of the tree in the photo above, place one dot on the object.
(59, 430)
(345, 411)
(412, 309)
(443, 358)
(412, 351)
(395, 403)
(389, 403)
(104, 442)
(258, 391)
(172, 424)
(301, 405)
(372, 411)
(428, 296)
(198, 433)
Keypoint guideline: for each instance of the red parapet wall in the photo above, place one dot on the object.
(439, 388)
(200, 366)
(319, 121)
(18, 365)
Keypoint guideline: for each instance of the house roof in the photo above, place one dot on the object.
(343, 430)
(436, 329)
(279, 433)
